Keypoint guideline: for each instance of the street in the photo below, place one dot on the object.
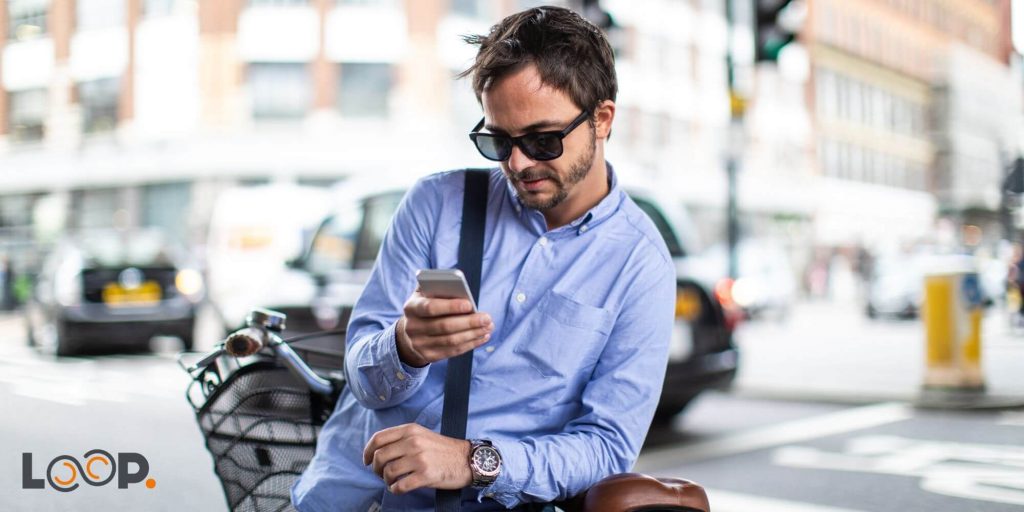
(822, 419)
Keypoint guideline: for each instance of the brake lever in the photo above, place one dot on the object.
(207, 360)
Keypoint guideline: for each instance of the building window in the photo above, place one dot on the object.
(843, 170)
(279, 90)
(95, 208)
(165, 206)
(368, 3)
(530, 4)
(277, 3)
(98, 100)
(26, 19)
(468, 8)
(364, 89)
(856, 171)
(27, 116)
(487, 10)
(830, 158)
(93, 14)
(155, 8)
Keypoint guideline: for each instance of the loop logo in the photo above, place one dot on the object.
(97, 468)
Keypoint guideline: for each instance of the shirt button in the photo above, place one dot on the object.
(521, 298)
(543, 241)
(489, 349)
(489, 495)
(400, 375)
(583, 229)
(382, 398)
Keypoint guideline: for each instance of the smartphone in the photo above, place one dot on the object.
(444, 284)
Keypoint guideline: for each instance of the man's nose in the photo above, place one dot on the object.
(518, 161)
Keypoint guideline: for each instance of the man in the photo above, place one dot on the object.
(575, 312)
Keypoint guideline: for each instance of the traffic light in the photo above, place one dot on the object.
(592, 11)
(776, 25)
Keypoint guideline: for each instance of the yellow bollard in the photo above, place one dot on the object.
(952, 315)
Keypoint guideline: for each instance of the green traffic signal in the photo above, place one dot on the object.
(776, 24)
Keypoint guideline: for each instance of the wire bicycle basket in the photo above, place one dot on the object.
(259, 415)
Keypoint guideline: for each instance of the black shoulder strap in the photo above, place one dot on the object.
(456, 380)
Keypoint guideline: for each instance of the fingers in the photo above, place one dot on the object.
(409, 457)
(408, 484)
(386, 456)
(437, 348)
(440, 326)
(385, 437)
(427, 307)
(436, 329)
(402, 467)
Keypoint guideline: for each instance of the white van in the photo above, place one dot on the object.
(254, 231)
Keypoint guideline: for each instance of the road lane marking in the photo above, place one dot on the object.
(848, 420)
(78, 381)
(1012, 419)
(727, 501)
(974, 471)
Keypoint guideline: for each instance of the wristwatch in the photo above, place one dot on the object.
(484, 462)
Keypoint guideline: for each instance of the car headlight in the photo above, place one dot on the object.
(189, 282)
(744, 292)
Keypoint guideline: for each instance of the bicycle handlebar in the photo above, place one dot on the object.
(261, 331)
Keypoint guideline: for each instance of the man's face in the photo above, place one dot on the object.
(519, 103)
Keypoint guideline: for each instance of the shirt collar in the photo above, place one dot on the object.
(591, 218)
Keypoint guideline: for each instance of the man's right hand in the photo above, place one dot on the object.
(434, 329)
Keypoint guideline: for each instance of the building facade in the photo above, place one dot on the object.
(916, 108)
(140, 112)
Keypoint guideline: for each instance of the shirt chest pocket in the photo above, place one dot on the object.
(564, 337)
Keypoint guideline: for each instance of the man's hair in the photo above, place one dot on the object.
(571, 54)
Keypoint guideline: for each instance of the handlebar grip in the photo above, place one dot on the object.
(244, 342)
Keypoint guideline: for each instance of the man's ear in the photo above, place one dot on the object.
(604, 114)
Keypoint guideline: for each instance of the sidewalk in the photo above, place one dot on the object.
(832, 352)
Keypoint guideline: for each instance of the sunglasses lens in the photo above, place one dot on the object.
(493, 147)
(543, 147)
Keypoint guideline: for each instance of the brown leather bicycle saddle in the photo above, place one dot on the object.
(634, 492)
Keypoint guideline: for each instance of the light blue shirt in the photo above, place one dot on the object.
(568, 383)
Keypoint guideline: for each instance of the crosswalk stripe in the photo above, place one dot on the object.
(727, 501)
(848, 420)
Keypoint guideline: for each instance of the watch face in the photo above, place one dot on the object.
(486, 460)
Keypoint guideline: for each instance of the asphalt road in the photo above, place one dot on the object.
(752, 454)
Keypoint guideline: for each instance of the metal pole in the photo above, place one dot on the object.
(732, 162)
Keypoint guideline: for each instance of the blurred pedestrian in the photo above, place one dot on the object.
(6, 284)
(1015, 285)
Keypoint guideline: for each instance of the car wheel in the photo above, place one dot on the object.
(187, 335)
(30, 333)
(64, 344)
(667, 411)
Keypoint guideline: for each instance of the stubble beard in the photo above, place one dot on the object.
(579, 170)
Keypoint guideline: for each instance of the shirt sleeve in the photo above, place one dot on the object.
(375, 374)
(618, 405)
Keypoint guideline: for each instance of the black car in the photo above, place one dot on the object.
(113, 289)
(343, 250)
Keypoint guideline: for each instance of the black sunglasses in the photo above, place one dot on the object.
(540, 146)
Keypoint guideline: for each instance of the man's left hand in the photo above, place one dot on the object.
(411, 456)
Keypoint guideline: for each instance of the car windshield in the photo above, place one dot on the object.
(117, 248)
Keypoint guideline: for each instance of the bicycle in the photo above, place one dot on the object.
(260, 407)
